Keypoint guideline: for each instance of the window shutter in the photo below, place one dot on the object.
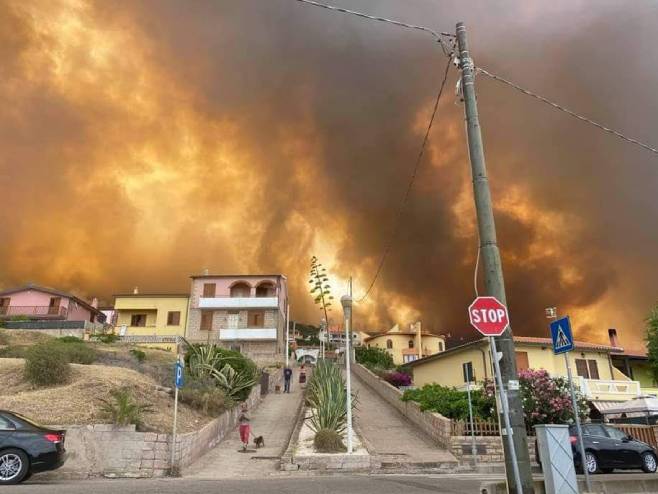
(581, 368)
(209, 290)
(593, 369)
(522, 361)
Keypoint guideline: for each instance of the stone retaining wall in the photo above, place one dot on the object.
(433, 424)
(488, 449)
(105, 450)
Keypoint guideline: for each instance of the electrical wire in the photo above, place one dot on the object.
(398, 216)
(438, 36)
(567, 111)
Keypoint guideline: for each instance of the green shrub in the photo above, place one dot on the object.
(451, 403)
(205, 396)
(328, 441)
(123, 409)
(46, 365)
(374, 358)
(17, 351)
(138, 354)
(69, 339)
(4, 339)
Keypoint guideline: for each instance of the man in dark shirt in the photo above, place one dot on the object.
(287, 375)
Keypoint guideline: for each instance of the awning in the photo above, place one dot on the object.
(643, 404)
(602, 405)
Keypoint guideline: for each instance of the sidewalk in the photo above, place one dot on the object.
(274, 420)
(393, 438)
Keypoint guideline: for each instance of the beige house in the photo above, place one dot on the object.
(591, 364)
(407, 346)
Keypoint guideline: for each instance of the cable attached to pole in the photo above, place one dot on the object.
(405, 200)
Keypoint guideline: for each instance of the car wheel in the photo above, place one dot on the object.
(14, 466)
(649, 464)
(591, 462)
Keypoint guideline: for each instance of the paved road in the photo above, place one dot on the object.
(306, 485)
(390, 434)
(274, 420)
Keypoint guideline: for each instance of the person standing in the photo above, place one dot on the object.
(287, 377)
(245, 426)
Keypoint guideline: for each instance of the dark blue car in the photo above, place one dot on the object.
(27, 448)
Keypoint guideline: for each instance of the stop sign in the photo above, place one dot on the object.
(488, 316)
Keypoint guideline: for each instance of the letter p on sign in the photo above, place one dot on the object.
(488, 316)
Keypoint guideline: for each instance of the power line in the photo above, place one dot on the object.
(567, 111)
(398, 216)
(438, 36)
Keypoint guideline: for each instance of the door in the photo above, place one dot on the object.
(625, 450)
(233, 320)
(53, 306)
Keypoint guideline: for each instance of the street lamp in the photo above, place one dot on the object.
(346, 302)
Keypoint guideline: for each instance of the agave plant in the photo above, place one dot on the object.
(231, 381)
(327, 397)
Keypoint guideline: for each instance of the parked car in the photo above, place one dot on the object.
(607, 448)
(27, 448)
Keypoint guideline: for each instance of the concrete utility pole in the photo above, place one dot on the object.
(493, 271)
(346, 301)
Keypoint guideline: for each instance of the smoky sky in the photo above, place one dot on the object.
(145, 141)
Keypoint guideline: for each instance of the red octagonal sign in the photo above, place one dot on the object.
(488, 316)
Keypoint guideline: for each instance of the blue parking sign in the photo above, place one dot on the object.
(178, 375)
(562, 336)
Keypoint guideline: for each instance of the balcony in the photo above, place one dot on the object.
(33, 312)
(247, 334)
(238, 302)
(599, 389)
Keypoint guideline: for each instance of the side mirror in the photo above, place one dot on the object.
(627, 438)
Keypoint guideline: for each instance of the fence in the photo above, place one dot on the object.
(480, 428)
(644, 433)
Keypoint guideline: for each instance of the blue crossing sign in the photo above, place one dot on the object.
(562, 336)
(178, 375)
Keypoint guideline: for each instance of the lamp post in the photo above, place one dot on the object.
(346, 302)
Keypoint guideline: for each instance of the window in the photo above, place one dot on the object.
(389, 344)
(4, 305)
(173, 318)
(209, 290)
(409, 358)
(241, 289)
(616, 433)
(138, 320)
(206, 321)
(256, 318)
(522, 361)
(5, 424)
(587, 368)
(594, 430)
(467, 371)
(440, 346)
(411, 343)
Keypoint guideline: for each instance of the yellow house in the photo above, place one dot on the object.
(590, 363)
(407, 346)
(151, 318)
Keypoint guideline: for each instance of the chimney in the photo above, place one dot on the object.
(136, 290)
(612, 334)
(94, 302)
(206, 272)
(419, 339)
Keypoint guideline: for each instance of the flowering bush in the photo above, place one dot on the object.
(397, 379)
(546, 400)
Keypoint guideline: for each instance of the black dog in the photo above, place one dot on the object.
(259, 442)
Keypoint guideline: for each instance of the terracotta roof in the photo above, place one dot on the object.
(528, 340)
(238, 276)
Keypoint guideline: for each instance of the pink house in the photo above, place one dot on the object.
(242, 312)
(39, 303)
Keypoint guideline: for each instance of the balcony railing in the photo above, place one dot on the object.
(247, 334)
(600, 389)
(33, 312)
(238, 302)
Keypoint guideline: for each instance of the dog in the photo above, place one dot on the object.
(259, 441)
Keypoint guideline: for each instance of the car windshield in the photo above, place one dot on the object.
(31, 422)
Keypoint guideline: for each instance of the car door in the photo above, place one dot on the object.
(626, 450)
(602, 445)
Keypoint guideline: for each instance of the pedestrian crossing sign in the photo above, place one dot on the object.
(562, 335)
